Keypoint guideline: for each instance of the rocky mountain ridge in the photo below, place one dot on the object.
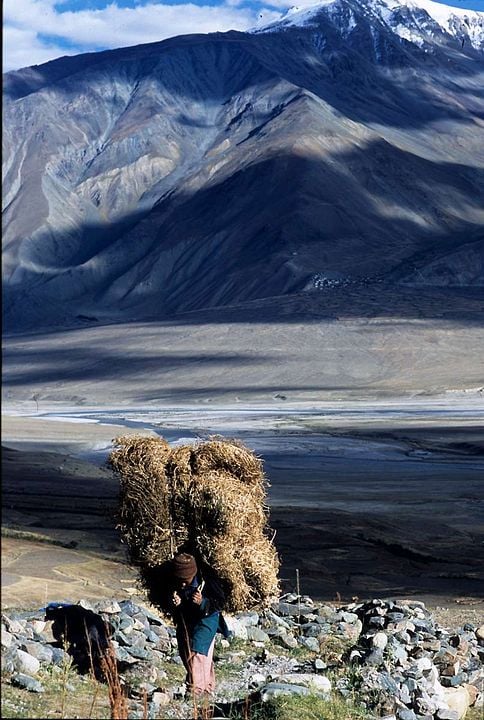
(210, 170)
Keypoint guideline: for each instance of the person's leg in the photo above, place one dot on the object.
(186, 655)
(211, 670)
(203, 672)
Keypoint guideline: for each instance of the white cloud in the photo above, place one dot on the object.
(287, 4)
(110, 27)
(22, 47)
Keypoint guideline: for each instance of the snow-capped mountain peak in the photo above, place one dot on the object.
(411, 20)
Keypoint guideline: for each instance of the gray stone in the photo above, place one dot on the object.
(140, 653)
(126, 624)
(161, 631)
(423, 664)
(319, 664)
(349, 617)
(137, 639)
(457, 699)
(123, 656)
(454, 680)
(128, 607)
(388, 684)
(288, 641)
(290, 598)
(276, 619)
(375, 657)
(238, 630)
(399, 654)
(256, 634)
(256, 680)
(317, 683)
(425, 705)
(379, 640)
(311, 629)
(406, 714)
(276, 689)
(26, 664)
(311, 643)
(307, 600)
(7, 637)
(326, 611)
(248, 619)
(121, 638)
(151, 636)
(161, 699)
(13, 626)
(411, 684)
(46, 635)
(377, 621)
(43, 653)
(284, 608)
(152, 617)
(110, 607)
(140, 621)
(350, 630)
(405, 695)
(447, 714)
(395, 617)
(38, 626)
(144, 689)
(9, 658)
(59, 656)
(27, 683)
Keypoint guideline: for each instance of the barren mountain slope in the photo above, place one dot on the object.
(344, 145)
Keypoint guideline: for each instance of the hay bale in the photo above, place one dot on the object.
(210, 500)
(230, 456)
(144, 513)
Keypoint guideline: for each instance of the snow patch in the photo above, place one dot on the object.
(424, 16)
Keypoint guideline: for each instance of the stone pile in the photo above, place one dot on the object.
(399, 661)
(392, 654)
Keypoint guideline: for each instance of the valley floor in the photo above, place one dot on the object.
(365, 500)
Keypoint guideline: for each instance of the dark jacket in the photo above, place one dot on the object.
(199, 622)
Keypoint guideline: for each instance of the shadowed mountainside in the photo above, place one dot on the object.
(212, 170)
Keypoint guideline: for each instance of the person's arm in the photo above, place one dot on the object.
(213, 597)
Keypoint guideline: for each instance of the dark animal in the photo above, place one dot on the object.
(83, 634)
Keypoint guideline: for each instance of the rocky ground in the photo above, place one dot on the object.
(388, 530)
(390, 658)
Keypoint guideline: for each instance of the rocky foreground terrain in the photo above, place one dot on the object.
(390, 659)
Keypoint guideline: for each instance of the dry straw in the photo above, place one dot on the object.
(209, 498)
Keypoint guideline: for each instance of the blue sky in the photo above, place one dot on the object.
(35, 31)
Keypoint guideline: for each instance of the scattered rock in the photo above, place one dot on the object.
(26, 664)
(27, 682)
(391, 655)
(457, 699)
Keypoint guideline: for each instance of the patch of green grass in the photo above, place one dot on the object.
(306, 707)
(66, 695)
(175, 673)
(333, 648)
(474, 714)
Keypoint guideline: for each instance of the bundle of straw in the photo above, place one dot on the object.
(144, 513)
(207, 499)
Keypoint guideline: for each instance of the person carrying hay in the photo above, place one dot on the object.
(195, 599)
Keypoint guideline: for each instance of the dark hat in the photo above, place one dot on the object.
(184, 566)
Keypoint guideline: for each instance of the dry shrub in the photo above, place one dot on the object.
(208, 499)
